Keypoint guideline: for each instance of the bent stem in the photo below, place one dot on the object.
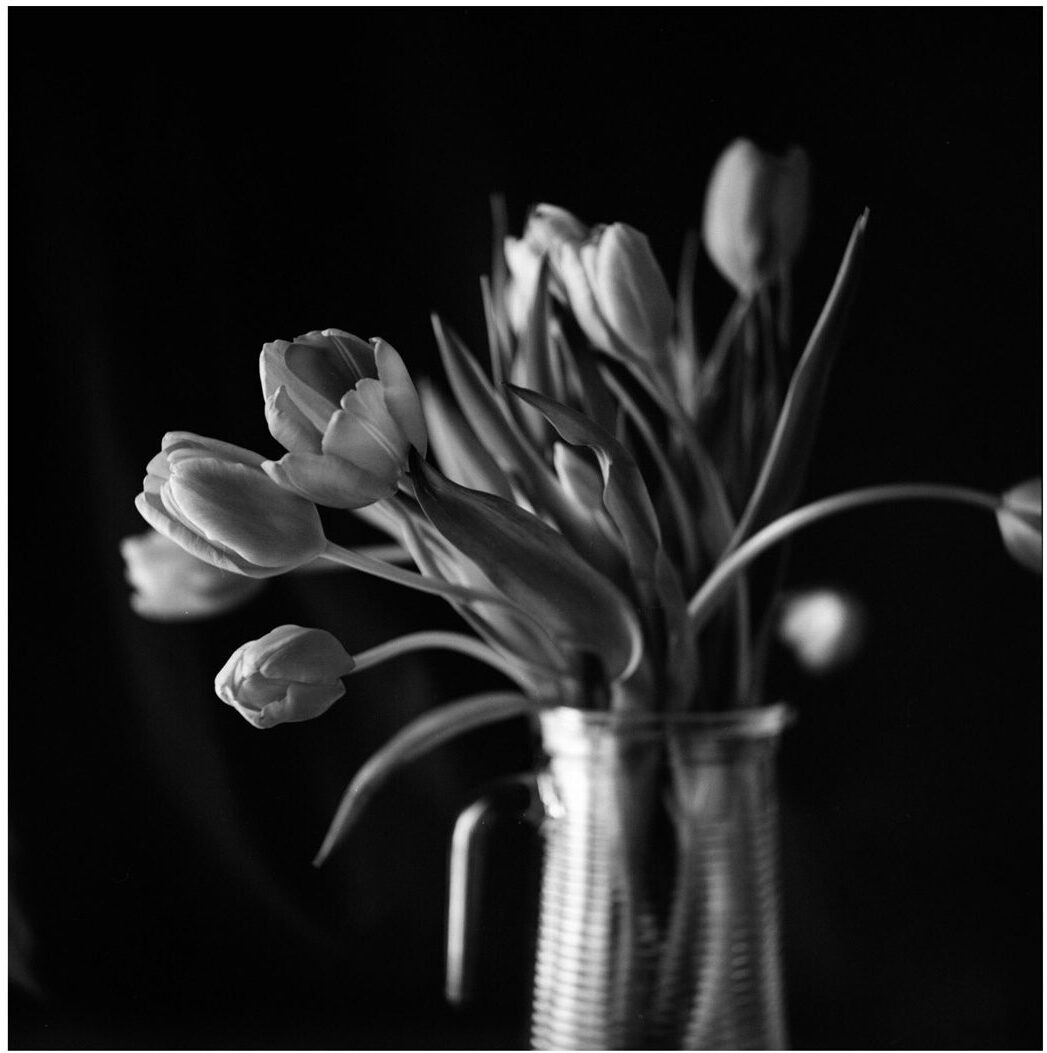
(703, 602)
(446, 641)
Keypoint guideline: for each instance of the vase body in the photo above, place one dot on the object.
(658, 922)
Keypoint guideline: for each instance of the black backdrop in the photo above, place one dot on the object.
(185, 184)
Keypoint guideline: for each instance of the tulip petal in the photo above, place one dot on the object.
(177, 441)
(306, 656)
(1021, 523)
(276, 372)
(401, 398)
(151, 509)
(364, 433)
(302, 702)
(241, 509)
(289, 425)
(356, 356)
(328, 480)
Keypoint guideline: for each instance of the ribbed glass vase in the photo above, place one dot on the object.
(659, 914)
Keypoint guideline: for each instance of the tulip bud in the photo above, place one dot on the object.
(214, 500)
(548, 226)
(822, 627)
(346, 411)
(618, 293)
(290, 674)
(1021, 523)
(171, 585)
(755, 213)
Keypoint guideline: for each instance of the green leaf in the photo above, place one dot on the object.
(536, 567)
(419, 737)
(782, 473)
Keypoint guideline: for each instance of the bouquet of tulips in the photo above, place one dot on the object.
(589, 494)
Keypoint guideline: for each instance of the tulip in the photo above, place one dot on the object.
(215, 501)
(822, 627)
(171, 585)
(617, 292)
(1020, 518)
(347, 413)
(755, 213)
(290, 674)
(548, 226)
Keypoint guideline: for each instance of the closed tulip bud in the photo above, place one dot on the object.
(214, 500)
(525, 264)
(1021, 523)
(346, 411)
(755, 213)
(290, 674)
(171, 586)
(549, 225)
(618, 293)
(822, 627)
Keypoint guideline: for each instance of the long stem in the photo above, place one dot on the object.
(412, 580)
(447, 641)
(703, 602)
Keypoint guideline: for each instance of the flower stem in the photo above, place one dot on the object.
(447, 641)
(703, 602)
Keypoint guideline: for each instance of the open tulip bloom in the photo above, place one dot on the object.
(589, 495)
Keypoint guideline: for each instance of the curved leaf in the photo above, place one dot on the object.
(419, 737)
(782, 473)
(536, 567)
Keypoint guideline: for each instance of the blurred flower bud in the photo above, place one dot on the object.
(214, 500)
(525, 265)
(1021, 523)
(548, 226)
(171, 585)
(822, 627)
(346, 411)
(290, 674)
(755, 213)
(617, 292)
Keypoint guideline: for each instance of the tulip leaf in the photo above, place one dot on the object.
(781, 475)
(515, 454)
(415, 740)
(625, 495)
(462, 456)
(536, 567)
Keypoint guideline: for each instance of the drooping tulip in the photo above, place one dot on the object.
(347, 412)
(1021, 523)
(170, 585)
(618, 293)
(290, 674)
(755, 213)
(214, 500)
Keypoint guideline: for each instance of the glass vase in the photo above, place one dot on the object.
(658, 919)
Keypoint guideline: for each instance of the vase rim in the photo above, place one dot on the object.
(747, 722)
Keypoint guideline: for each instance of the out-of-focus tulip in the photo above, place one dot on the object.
(346, 411)
(172, 586)
(755, 213)
(822, 627)
(1021, 523)
(290, 674)
(549, 225)
(214, 500)
(617, 292)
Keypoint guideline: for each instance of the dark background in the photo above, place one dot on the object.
(186, 184)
